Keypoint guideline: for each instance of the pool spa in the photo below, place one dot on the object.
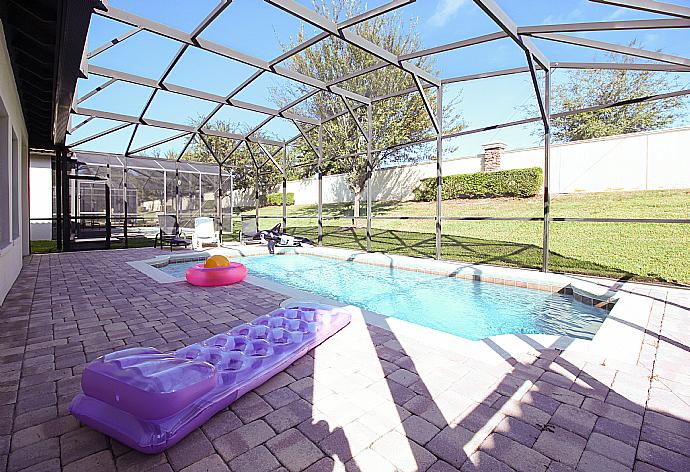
(464, 307)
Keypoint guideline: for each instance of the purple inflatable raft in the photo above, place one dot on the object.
(149, 400)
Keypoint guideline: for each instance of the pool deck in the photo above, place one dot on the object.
(375, 397)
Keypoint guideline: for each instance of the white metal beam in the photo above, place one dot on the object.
(485, 38)
(158, 143)
(165, 124)
(619, 66)
(218, 99)
(651, 6)
(427, 105)
(101, 134)
(112, 42)
(502, 19)
(201, 43)
(616, 48)
(622, 25)
(367, 15)
(313, 18)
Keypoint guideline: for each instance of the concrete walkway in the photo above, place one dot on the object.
(365, 400)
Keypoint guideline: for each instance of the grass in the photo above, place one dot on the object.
(45, 247)
(457, 248)
(645, 252)
(648, 252)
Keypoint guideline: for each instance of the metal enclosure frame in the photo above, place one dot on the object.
(535, 62)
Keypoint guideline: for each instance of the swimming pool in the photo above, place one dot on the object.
(470, 309)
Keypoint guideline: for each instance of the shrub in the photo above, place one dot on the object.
(276, 199)
(503, 183)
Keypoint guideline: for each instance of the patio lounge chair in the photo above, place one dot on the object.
(249, 234)
(204, 232)
(169, 232)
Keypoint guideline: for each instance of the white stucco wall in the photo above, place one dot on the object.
(670, 167)
(13, 145)
(41, 198)
(642, 161)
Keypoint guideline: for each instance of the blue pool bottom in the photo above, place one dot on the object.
(469, 309)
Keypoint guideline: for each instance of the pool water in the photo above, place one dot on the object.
(466, 308)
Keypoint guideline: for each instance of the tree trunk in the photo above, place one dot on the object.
(357, 200)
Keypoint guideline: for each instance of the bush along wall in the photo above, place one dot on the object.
(276, 199)
(503, 183)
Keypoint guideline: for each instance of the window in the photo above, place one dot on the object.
(4, 178)
(16, 194)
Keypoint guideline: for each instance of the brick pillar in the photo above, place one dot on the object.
(492, 156)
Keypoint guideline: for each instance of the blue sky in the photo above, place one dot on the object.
(257, 28)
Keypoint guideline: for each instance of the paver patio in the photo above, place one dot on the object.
(364, 400)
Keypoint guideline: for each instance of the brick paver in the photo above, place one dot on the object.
(365, 400)
(294, 450)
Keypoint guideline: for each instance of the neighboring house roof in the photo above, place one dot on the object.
(46, 39)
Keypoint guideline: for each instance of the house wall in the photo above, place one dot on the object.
(41, 203)
(14, 168)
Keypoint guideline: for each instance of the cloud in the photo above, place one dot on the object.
(567, 17)
(579, 14)
(445, 10)
(649, 39)
(562, 14)
(616, 14)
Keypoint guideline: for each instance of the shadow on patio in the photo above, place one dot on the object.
(394, 404)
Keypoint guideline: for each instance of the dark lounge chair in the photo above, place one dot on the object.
(169, 233)
(249, 234)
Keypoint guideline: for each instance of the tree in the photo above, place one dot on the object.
(394, 121)
(588, 88)
(170, 154)
(241, 161)
(158, 154)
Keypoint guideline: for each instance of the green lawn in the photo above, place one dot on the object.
(646, 252)
(624, 250)
(42, 247)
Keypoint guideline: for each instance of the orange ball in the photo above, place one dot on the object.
(217, 261)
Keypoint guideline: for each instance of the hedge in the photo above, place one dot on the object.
(503, 183)
(276, 199)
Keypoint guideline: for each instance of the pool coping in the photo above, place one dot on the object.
(619, 338)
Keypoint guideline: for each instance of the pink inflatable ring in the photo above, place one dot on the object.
(216, 276)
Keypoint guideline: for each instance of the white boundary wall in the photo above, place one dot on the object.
(41, 179)
(640, 161)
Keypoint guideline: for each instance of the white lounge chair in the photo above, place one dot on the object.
(204, 232)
